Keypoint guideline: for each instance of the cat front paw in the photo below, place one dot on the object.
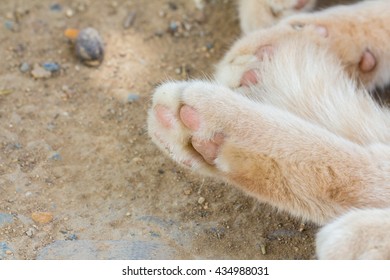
(242, 66)
(190, 121)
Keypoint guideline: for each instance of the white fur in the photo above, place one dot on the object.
(359, 234)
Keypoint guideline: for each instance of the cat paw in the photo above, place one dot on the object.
(190, 122)
(359, 234)
(242, 65)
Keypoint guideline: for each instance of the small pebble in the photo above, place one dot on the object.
(55, 156)
(209, 46)
(24, 67)
(159, 33)
(132, 97)
(10, 25)
(128, 214)
(51, 66)
(8, 252)
(173, 27)
(154, 234)
(172, 6)
(187, 26)
(71, 236)
(201, 200)
(42, 217)
(68, 90)
(125, 96)
(40, 73)
(188, 191)
(89, 47)
(129, 20)
(56, 7)
(137, 160)
(263, 249)
(5, 91)
(30, 232)
(69, 13)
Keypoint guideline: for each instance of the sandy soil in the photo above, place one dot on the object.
(75, 146)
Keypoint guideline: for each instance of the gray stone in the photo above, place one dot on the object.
(132, 97)
(40, 73)
(24, 67)
(89, 47)
(51, 66)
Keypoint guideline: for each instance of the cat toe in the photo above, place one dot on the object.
(367, 62)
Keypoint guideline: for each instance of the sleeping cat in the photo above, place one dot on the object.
(288, 121)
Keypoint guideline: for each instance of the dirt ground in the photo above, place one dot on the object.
(76, 163)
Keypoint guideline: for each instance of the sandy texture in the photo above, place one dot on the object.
(79, 177)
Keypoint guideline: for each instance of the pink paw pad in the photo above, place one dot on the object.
(300, 4)
(208, 149)
(251, 77)
(367, 62)
(190, 117)
(164, 116)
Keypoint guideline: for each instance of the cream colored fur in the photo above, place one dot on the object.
(307, 138)
(346, 30)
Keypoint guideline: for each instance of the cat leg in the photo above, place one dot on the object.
(256, 14)
(271, 154)
(360, 234)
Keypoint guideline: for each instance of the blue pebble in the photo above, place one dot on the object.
(154, 234)
(9, 24)
(56, 156)
(131, 97)
(173, 27)
(24, 67)
(51, 66)
(209, 46)
(56, 7)
(71, 237)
